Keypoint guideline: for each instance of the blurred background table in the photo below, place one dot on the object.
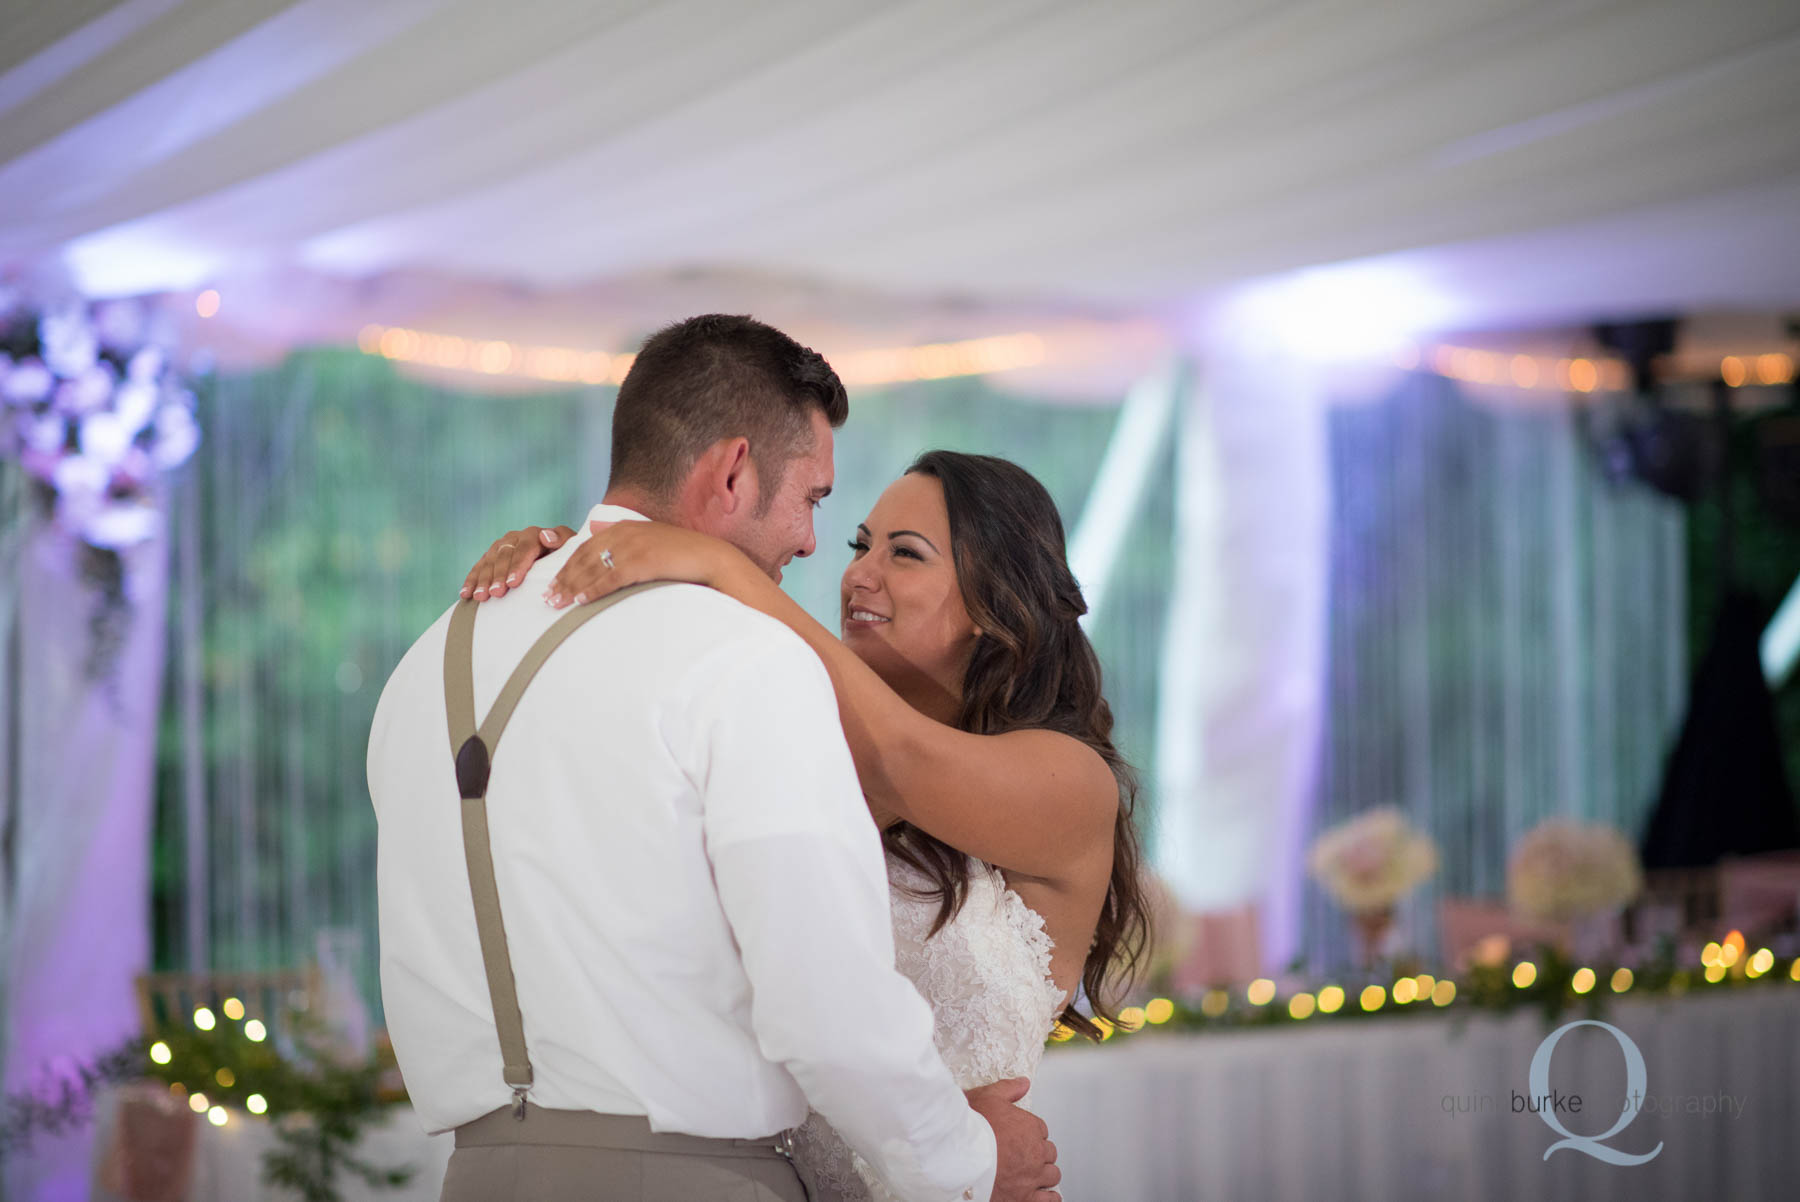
(1357, 1109)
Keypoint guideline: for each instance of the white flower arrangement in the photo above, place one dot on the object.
(1372, 861)
(1561, 871)
(94, 412)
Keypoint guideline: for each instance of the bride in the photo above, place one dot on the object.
(970, 697)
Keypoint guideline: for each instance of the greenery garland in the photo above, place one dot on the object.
(317, 1106)
(1548, 981)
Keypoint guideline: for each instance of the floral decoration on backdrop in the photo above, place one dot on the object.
(94, 412)
(1560, 871)
(1368, 864)
(1373, 860)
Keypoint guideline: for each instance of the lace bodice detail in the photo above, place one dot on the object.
(987, 978)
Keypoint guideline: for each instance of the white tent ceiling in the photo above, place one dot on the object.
(1537, 160)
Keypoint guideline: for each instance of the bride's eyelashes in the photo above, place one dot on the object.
(858, 547)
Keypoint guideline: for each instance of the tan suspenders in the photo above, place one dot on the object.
(474, 751)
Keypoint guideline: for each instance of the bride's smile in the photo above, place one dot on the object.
(902, 605)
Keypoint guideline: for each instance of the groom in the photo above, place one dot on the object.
(684, 931)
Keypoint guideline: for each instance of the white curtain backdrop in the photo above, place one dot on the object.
(79, 794)
(1507, 633)
(1244, 643)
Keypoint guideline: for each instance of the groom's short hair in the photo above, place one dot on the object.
(714, 377)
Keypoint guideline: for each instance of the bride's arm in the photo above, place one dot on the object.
(1033, 801)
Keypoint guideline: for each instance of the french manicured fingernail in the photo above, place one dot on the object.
(549, 536)
(465, 591)
(556, 601)
(513, 579)
(581, 598)
(480, 593)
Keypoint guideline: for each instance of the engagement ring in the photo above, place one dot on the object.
(606, 556)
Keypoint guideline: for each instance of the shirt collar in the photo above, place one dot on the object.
(611, 513)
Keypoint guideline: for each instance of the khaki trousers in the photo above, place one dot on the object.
(564, 1155)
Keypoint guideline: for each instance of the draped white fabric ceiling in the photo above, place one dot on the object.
(1110, 158)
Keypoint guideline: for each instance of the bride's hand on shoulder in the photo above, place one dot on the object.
(622, 554)
(505, 563)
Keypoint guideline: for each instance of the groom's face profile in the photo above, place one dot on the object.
(778, 528)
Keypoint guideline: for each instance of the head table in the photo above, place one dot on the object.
(1390, 1108)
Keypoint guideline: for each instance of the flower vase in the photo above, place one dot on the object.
(1372, 927)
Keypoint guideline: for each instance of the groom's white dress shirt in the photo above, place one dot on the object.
(693, 891)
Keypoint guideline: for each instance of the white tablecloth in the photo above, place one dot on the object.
(1387, 1109)
(1357, 1110)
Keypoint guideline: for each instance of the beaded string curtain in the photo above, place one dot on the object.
(330, 518)
(328, 521)
(1507, 636)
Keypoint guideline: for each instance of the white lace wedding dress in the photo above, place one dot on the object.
(987, 977)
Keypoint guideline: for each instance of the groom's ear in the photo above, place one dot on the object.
(736, 482)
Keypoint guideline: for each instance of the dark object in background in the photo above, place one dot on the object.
(1725, 789)
(1778, 465)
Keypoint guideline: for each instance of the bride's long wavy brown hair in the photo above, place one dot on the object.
(1032, 668)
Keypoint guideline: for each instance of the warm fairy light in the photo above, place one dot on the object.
(217, 1116)
(494, 357)
(1159, 1010)
(1794, 972)
(1374, 998)
(1583, 981)
(254, 1031)
(159, 1052)
(1715, 973)
(1214, 1002)
(1261, 992)
(1621, 980)
(891, 365)
(1479, 366)
(178, 1089)
(1301, 1005)
(1061, 1033)
(1443, 993)
(1406, 991)
(203, 1018)
(1774, 369)
(1491, 950)
(1331, 999)
(1524, 973)
(198, 1103)
(257, 1104)
(1730, 953)
(1106, 1029)
(234, 1009)
(207, 303)
(1762, 961)
(1709, 955)
(1731, 370)
(1131, 1018)
(225, 1077)
(1425, 983)
(941, 360)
